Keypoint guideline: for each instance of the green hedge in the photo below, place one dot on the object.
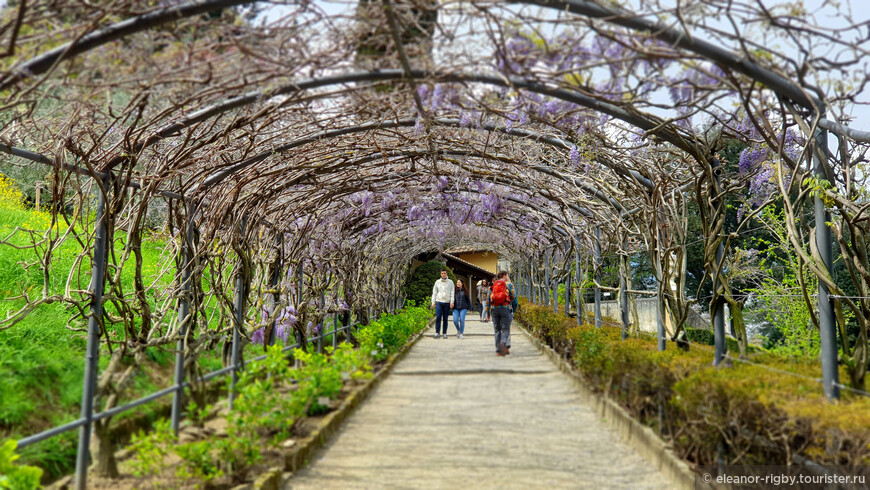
(697, 406)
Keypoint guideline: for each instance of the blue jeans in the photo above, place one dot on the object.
(502, 318)
(442, 311)
(459, 320)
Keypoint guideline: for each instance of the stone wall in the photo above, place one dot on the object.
(646, 313)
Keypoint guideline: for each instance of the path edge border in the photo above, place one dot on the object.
(635, 434)
(306, 448)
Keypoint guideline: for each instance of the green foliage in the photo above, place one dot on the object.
(196, 415)
(790, 330)
(418, 288)
(14, 476)
(263, 402)
(151, 449)
(351, 363)
(701, 406)
(319, 381)
(198, 462)
(700, 336)
(389, 333)
(550, 327)
(41, 361)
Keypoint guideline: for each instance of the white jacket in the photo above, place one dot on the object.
(443, 291)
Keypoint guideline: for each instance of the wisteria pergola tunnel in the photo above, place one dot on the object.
(304, 153)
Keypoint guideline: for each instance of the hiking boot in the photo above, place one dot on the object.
(507, 350)
(502, 349)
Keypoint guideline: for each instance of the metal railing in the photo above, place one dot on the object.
(178, 388)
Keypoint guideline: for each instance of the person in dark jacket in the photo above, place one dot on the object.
(461, 305)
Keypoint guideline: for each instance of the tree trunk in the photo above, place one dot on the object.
(105, 463)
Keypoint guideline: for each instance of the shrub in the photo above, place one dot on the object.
(700, 336)
(389, 333)
(319, 381)
(12, 475)
(759, 413)
(151, 449)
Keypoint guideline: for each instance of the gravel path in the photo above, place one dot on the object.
(453, 414)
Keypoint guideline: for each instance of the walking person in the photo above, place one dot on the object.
(483, 297)
(461, 305)
(503, 301)
(442, 300)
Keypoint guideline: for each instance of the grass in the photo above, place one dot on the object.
(41, 357)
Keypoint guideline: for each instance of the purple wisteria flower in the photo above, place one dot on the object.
(259, 336)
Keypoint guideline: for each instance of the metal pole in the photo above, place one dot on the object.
(623, 293)
(533, 286)
(322, 324)
(300, 277)
(555, 293)
(239, 303)
(827, 321)
(579, 282)
(568, 293)
(335, 331)
(660, 330)
(597, 248)
(184, 317)
(274, 283)
(720, 346)
(237, 326)
(98, 271)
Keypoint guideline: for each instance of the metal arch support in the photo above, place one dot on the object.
(414, 153)
(98, 272)
(779, 84)
(579, 281)
(274, 283)
(597, 251)
(184, 316)
(241, 296)
(624, 270)
(568, 292)
(720, 345)
(824, 241)
(647, 124)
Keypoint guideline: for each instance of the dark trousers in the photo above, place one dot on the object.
(501, 321)
(442, 311)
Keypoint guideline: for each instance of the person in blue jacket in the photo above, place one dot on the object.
(461, 305)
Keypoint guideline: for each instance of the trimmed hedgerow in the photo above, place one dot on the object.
(760, 414)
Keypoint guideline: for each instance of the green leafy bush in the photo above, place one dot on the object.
(389, 333)
(319, 381)
(263, 402)
(700, 336)
(198, 461)
(271, 397)
(151, 449)
(14, 476)
(759, 413)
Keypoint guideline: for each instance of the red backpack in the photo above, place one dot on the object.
(500, 295)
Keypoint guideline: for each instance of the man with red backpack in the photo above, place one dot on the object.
(503, 303)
